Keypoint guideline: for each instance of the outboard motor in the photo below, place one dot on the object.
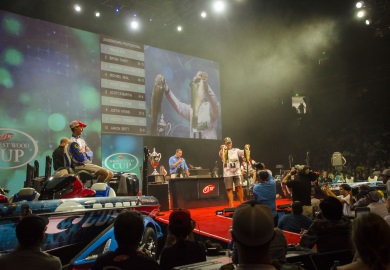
(64, 187)
(128, 184)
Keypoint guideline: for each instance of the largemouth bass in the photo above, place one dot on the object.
(225, 156)
(155, 104)
(197, 94)
(247, 153)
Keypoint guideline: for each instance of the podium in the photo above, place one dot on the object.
(160, 192)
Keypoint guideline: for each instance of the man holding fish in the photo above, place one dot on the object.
(232, 169)
(202, 113)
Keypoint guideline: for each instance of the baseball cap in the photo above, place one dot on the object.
(253, 224)
(76, 123)
(227, 140)
(374, 196)
(31, 226)
(386, 172)
(180, 221)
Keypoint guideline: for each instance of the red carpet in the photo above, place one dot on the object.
(217, 226)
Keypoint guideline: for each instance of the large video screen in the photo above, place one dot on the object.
(52, 74)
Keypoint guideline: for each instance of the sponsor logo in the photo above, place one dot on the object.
(17, 148)
(208, 189)
(121, 162)
(6, 136)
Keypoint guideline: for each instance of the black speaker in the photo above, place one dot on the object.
(160, 192)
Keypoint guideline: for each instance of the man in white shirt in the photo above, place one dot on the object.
(232, 169)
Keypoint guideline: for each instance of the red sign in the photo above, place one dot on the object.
(208, 189)
(6, 136)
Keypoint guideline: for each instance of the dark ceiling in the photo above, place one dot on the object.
(267, 50)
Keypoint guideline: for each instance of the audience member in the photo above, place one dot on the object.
(128, 231)
(361, 199)
(376, 206)
(184, 250)
(385, 176)
(387, 217)
(265, 191)
(345, 198)
(301, 187)
(295, 221)
(331, 231)
(370, 237)
(30, 233)
(253, 231)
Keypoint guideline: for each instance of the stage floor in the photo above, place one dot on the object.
(214, 226)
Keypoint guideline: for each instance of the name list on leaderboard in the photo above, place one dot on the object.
(122, 74)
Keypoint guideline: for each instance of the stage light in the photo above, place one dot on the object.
(367, 22)
(203, 14)
(359, 4)
(361, 13)
(219, 6)
(77, 7)
(179, 28)
(97, 14)
(117, 10)
(134, 25)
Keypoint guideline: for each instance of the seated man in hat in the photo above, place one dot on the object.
(253, 232)
(30, 233)
(184, 250)
(81, 155)
(373, 199)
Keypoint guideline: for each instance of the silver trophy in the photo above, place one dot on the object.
(154, 158)
(163, 128)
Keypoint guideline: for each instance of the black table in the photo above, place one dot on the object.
(197, 192)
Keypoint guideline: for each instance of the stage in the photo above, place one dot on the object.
(213, 226)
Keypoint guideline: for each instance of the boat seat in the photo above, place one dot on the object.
(25, 194)
(103, 190)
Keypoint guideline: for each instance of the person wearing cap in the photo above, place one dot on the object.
(58, 154)
(128, 231)
(204, 123)
(232, 169)
(30, 232)
(184, 250)
(265, 191)
(81, 155)
(252, 232)
(295, 221)
(385, 176)
(376, 206)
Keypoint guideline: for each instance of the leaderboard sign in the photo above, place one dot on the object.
(122, 72)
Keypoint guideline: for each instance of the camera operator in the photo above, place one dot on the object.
(301, 186)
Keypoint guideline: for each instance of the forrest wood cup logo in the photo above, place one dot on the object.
(17, 148)
(121, 162)
(208, 189)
